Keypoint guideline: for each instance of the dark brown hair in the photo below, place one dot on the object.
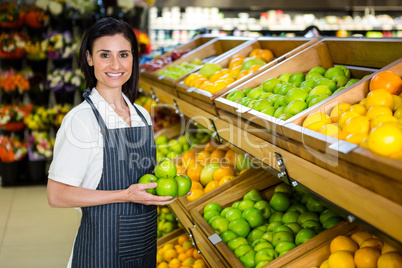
(109, 27)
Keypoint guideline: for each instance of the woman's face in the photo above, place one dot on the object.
(112, 60)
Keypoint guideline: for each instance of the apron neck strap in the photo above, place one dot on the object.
(96, 112)
(141, 115)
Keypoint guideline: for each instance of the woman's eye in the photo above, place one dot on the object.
(104, 55)
(124, 55)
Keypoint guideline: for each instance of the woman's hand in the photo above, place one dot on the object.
(136, 193)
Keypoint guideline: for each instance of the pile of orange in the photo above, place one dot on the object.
(374, 123)
(181, 254)
(361, 250)
(221, 79)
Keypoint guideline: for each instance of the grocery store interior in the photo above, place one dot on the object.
(282, 118)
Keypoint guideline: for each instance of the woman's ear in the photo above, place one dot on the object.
(89, 58)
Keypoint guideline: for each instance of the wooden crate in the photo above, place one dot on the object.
(227, 199)
(206, 52)
(282, 49)
(326, 54)
(170, 237)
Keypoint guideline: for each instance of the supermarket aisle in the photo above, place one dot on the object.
(32, 234)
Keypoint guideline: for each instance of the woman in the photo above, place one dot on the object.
(103, 147)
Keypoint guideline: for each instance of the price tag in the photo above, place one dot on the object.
(191, 89)
(343, 146)
(215, 238)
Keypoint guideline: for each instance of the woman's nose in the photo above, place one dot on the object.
(114, 64)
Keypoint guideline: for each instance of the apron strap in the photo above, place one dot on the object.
(142, 116)
(98, 117)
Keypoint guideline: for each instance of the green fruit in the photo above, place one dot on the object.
(245, 101)
(285, 116)
(235, 94)
(254, 235)
(262, 227)
(148, 178)
(209, 69)
(320, 90)
(281, 228)
(207, 172)
(294, 226)
(255, 93)
(307, 216)
(311, 224)
(304, 235)
(240, 227)
(351, 82)
(165, 169)
(296, 79)
(338, 90)
(269, 111)
(281, 101)
(248, 259)
(317, 100)
(161, 140)
(296, 94)
(251, 103)
(284, 246)
(276, 216)
(284, 188)
(314, 205)
(172, 155)
(236, 204)
(284, 78)
(290, 216)
(261, 243)
(280, 202)
(326, 214)
(270, 84)
(213, 206)
(308, 83)
(279, 111)
(261, 104)
(250, 62)
(262, 263)
(264, 207)
(282, 237)
(333, 71)
(285, 88)
(265, 95)
(345, 70)
(233, 214)
(340, 80)
(331, 84)
(167, 187)
(331, 222)
(227, 236)
(236, 242)
(310, 97)
(184, 184)
(253, 195)
(273, 97)
(273, 225)
(296, 206)
(246, 90)
(220, 225)
(318, 69)
(295, 107)
(245, 204)
(209, 214)
(265, 254)
(267, 236)
(253, 216)
(313, 75)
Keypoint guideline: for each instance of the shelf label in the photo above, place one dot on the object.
(343, 146)
(191, 89)
(215, 238)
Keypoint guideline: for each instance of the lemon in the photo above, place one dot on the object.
(358, 124)
(376, 121)
(330, 129)
(359, 108)
(356, 138)
(345, 117)
(398, 113)
(397, 102)
(380, 97)
(341, 259)
(316, 120)
(338, 110)
(385, 139)
(378, 110)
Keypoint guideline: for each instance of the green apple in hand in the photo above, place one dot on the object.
(148, 178)
(184, 184)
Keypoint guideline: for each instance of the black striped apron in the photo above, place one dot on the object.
(121, 234)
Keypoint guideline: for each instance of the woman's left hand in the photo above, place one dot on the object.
(136, 193)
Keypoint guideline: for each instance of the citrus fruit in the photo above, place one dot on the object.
(343, 243)
(398, 113)
(358, 124)
(315, 121)
(170, 254)
(341, 135)
(376, 121)
(338, 110)
(366, 257)
(385, 139)
(234, 72)
(380, 97)
(390, 259)
(182, 238)
(217, 156)
(210, 146)
(195, 194)
(217, 86)
(163, 265)
(324, 264)
(358, 108)
(378, 110)
(341, 259)
(175, 263)
(363, 102)
(397, 102)
(388, 81)
(235, 62)
(211, 186)
(196, 185)
(373, 243)
(203, 157)
(388, 248)
(242, 74)
(186, 158)
(266, 55)
(225, 179)
(230, 157)
(223, 171)
(194, 172)
(196, 255)
(360, 236)
(254, 52)
(345, 117)
(199, 264)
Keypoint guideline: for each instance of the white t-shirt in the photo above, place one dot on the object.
(78, 150)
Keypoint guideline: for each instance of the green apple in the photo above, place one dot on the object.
(253, 216)
(281, 228)
(264, 207)
(279, 202)
(294, 226)
(240, 227)
(296, 94)
(168, 227)
(284, 188)
(244, 204)
(184, 184)
(246, 90)
(172, 155)
(351, 81)
(253, 195)
(320, 90)
(262, 263)
(250, 62)
(213, 206)
(285, 116)
(270, 84)
(307, 216)
(274, 97)
(317, 100)
(331, 84)
(245, 101)
(255, 93)
(161, 140)
(209, 69)
(254, 235)
(265, 95)
(209, 214)
(267, 236)
(167, 187)
(265, 254)
(235, 94)
(213, 218)
(284, 78)
(242, 250)
(262, 104)
(326, 214)
(290, 216)
(345, 70)
(263, 227)
(297, 206)
(276, 216)
(273, 225)
(311, 224)
(261, 243)
(165, 169)
(248, 259)
(340, 80)
(278, 87)
(279, 111)
(310, 97)
(284, 246)
(331, 222)
(251, 103)
(281, 101)
(318, 69)
(170, 217)
(295, 107)
(236, 204)
(296, 79)
(314, 205)
(333, 71)
(285, 88)
(338, 90)
(308, 83)
(304, 235)
(220, 225)
(269, 111)
(313, 75)
(233, 214)
(282, 237)
(236, 242)
(148, 178)
(227, 236)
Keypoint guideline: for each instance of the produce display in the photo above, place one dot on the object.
(362, 250)
(180, 253)
(287, 95)
(177, 71)
(213, 78)
(167, 221)
(375, 123)
(162, 60)
(259, 230)
(163, 117)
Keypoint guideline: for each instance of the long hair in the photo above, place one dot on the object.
(109, 27)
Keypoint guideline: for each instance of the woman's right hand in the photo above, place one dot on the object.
(137, 194)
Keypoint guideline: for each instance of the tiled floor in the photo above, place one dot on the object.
(32, 234)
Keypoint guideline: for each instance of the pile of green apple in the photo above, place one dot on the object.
(177, 71)
(169, 183)
(258, 231)
(167, 221)
(289, 94)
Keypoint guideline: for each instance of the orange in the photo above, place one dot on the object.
(358, 124)
(372, 243)
(316, 120)
(378, 110)
(199, 264)
(210, 146)
(179, 249)
(217, 86)
(234, 72)
(189, 261)
(390, 259)
(360, 236)
(203, 157)
(196, 185)
(182, 238)
(182, 257)
(388, 248)
(244, 170)
(180, 170)
(216, 76)
(170, 254)
(163, 265)
(254, 52)
(378, 120)
(186, 158)
(388, 81)
(228, 80)
(253, 69)
(266, 55)
(345, 117)
(199, 81)
(356, 138)
(190, 249)
(385, 139)
(343, 243)
(235, 62)
(211, 186)
(175, 263)
(366, 257)
(189, 80)
(230, 157)
(242, 74)
(380, 97)
(217, 156)
(338, 110)
(167, 246)
(223, 171)
(358, 108)
(225, 179)
(195, 194)
(194, 172)
(205, 86)
(341, 259)
(160, 251)
(330, 129)
(196, 255)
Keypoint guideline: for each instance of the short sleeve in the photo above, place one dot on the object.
(76, 143)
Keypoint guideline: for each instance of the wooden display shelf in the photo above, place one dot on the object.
(170, 237)
(226, 200)
(282, 48)
(214, 48)
(372, 207)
